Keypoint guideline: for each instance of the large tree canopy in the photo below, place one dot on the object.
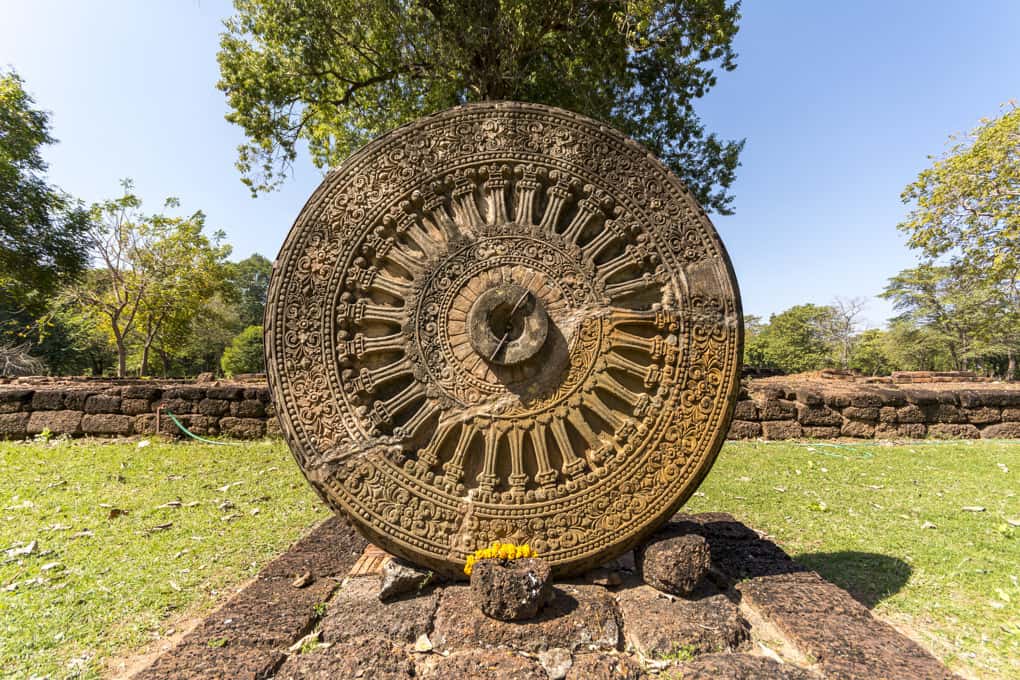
(965, 222)
(42, 232)
(336, 73)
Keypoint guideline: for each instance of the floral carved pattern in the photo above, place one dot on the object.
(610, 311)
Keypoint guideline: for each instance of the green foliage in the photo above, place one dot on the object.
(965, 223)
(247, 285)
(155, 273)
(336, 73)
(245, 354)
(42, 230)
(793, 341)
(958, 309)
(870, 353)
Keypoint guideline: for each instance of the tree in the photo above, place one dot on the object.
(336, 73)
(841, 326)
(43, 241)
(966, 214)
(795, 340)
(957, 306)
(155, 270)
(245, 354)
(247, 287)
(869, 354)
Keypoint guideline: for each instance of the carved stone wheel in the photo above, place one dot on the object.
(504, 322)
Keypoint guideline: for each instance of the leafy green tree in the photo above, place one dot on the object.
(247, 287)
(796, 340)
(245, 353)
(870, 353)
(154, 272)
(956, 306)
(335, 73)
(914, 347)
(43, 240)
(754, 341)
(966, 214)
(183, 268)
(212, 331)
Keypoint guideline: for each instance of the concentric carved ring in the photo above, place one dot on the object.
(503, 322)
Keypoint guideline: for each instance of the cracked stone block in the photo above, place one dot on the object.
(741, 667)
(364, 657)
(657, 626)
(356, 610)
(486, 664)
(579, 617)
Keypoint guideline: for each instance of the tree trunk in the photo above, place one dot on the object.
(121, 355)
(145, 359)
(166, 362)
(1011, 366)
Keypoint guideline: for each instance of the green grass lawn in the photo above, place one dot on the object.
(201, 519)
(898, 527)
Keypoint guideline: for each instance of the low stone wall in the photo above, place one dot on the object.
(792, 408)
(770, 408)
(235, 410)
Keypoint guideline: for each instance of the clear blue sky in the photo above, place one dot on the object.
(840, 102)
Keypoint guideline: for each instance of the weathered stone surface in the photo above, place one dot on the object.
(742, 429)
(657, 626)
(821, 432)
(782, 429)
(675, 564)
(249, 408)
(356, 610)
(983, 415)
(746, 409)
(824, 622)
(225, 392)
(1001, 431)
(242, 428)
(14, 425)
(912, 430)
(911, 414)
(102, 403)
(1011, 415)
(184, 392)
(366, 657)
(399, 578)
(858, 429)
(605, 666)
(777, 409)
(134, 407)
(953, 431)
(145, 392)
(57, 422)
(888, 415)
(512, 592)
(494, 339)
(556, 662)
(213, 407)
(198, 424)
(328, 551)
(948, 413)
(740, 667)
(818, 416)
(809, 397)
(47, 400)
(107, 423)
(579, 617)
(486, 664)
(863, 413)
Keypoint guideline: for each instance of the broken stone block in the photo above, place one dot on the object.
(675, 564)
(511, 592)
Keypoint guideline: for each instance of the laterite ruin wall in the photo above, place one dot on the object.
(772, 408)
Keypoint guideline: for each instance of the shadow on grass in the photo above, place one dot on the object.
(868, 577)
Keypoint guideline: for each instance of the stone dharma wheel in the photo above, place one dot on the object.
(504, 322)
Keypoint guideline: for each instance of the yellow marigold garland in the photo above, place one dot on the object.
(498, 551)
